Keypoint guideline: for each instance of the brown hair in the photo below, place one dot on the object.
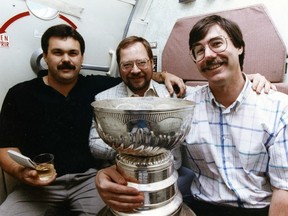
(132, 40)
(201, 28)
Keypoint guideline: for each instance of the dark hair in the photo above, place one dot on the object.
(201, 28)
(132, 40)
(62, 31)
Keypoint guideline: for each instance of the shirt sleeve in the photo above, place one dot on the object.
(278, 152)
(10, 125)
(98, 148)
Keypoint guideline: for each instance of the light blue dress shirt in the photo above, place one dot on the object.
(238, 153)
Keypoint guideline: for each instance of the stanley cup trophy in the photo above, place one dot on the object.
(143, 131)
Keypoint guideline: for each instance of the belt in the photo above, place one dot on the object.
(202, 208)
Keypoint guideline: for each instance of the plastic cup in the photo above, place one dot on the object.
(44, 166)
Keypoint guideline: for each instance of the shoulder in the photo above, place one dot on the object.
(21, 92)
(97, 78)
(159, 86)
(94, 84)
(114, 92)
(275, 97)
(26, 85)
(161, 89)
(194, 92)
(100, 80)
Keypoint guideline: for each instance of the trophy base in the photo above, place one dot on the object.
(170, 207)
(184, 210)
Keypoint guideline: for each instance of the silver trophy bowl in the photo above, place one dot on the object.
(143, 126)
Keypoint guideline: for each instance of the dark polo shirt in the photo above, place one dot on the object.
(36, 119)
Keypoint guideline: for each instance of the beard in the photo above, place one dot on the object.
(138, 83)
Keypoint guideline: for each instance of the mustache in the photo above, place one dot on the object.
(66, 65)
(136, 75)
(210, 63)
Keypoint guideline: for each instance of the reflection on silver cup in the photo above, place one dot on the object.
(143, 126)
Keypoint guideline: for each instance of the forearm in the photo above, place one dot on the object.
(159, 76)
(9, 165)
(173, 83)
(279, 203)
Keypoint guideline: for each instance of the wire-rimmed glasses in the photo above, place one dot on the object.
(217, 45)
(140, 63)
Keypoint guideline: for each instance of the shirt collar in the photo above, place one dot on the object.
(150, 92)
(236, 104)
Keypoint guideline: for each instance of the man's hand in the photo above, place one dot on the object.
(26, 175)
(173, 83)
(114, 191)
(259, 82)
(30, 176)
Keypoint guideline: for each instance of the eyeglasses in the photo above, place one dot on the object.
(140, 63)
(216, 44)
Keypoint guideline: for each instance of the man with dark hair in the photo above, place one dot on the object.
(52, 113)
(237, 146)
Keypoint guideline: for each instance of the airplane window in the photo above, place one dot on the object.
(41, 11)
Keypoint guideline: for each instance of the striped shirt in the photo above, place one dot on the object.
(239, 152)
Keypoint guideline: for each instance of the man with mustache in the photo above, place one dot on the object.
(237, 146)
(52, 113)
(66, 65)
(135, 63)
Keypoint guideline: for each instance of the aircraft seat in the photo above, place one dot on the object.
(265, 51)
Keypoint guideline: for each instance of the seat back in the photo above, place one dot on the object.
(265, 52)
(7, 185)
(3, 193)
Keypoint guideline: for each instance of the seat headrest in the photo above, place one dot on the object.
(265, 50)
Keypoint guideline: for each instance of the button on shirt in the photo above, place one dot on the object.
(238, 152)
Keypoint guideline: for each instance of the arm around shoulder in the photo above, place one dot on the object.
(172, 82)
(8, 165)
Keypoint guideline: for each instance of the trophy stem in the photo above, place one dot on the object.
(156, 177)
